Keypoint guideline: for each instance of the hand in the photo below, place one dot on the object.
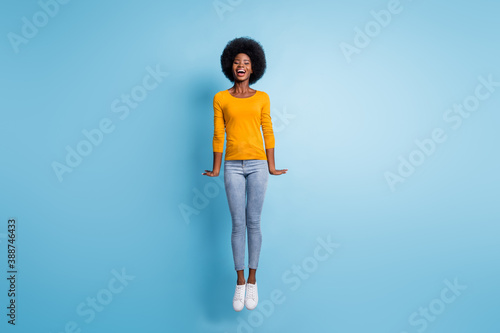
(277, 172)
(211, 173)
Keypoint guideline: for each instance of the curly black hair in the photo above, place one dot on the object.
(252, 49)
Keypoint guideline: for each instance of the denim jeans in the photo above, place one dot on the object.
(246, 183)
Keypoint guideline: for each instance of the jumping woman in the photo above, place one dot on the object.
(239, 112)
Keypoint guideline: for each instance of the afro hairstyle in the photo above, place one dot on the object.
(252, 49)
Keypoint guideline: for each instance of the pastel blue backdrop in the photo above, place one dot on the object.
(386, 116)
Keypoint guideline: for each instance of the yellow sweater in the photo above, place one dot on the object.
(241, 119)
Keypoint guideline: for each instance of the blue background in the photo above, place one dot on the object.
(341, 123)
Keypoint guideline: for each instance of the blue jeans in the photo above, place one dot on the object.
(246, 183)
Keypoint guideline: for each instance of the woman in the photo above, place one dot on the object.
(240, 112)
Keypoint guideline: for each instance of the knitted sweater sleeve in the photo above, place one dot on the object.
(267, 125)
(219, 126)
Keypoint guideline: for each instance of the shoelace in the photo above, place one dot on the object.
(251, 291)
(239, 294)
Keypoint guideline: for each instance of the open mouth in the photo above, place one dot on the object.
(240, 72)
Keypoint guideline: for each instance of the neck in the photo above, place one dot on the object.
(241, 87)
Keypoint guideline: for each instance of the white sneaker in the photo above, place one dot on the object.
(239, 297)
(252, 296)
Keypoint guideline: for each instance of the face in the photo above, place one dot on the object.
(242, 67)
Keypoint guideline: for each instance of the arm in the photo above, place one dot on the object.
(267, 129)
(218, 140)
(216, 168)
(270, 163)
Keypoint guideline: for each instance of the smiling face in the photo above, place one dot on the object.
(242, 67)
